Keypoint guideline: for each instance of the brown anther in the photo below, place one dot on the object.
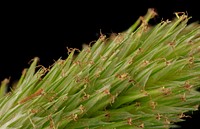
(86, 96)
(158, 116)
(69, 50)
(129, 121)
(75, 117)
(51, 98)
(143, 20)
(182, 115)
(119, 38)
(183, 97)
(86, 80)
(86, 48)
(187, 86)
(107, 115)
(153, 104)
(144, 92)
(77, 62)
(113, 36)
(172, 44)
(112, 98)
(131, 80)
(146, 62)
(91, 62)
(168, 63)
(166, 91)
(107, 91)
(60, 62)
(43, 71)
(102, 37)
(97, 74)
(167, 121)
(123, 76)
(137, 104)
(153, 12)
(191, 60)
(64, 98)
(82, 108)
(178, 14)
(190, 42)
(34, 111)
(52, 125)
(77, 79)
(141, 125)
(130, 61)
(103, 58)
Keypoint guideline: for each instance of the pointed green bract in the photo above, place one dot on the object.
(145, 77)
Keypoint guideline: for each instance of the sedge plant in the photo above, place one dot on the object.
(145, 77)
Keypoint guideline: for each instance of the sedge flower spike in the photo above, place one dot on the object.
(145, 77)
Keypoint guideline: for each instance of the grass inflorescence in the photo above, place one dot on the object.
(144, 77)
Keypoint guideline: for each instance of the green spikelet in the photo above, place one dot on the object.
(145, 77)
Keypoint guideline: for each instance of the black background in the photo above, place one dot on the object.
(46, 29)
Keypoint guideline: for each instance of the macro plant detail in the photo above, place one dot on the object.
(144, 77)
